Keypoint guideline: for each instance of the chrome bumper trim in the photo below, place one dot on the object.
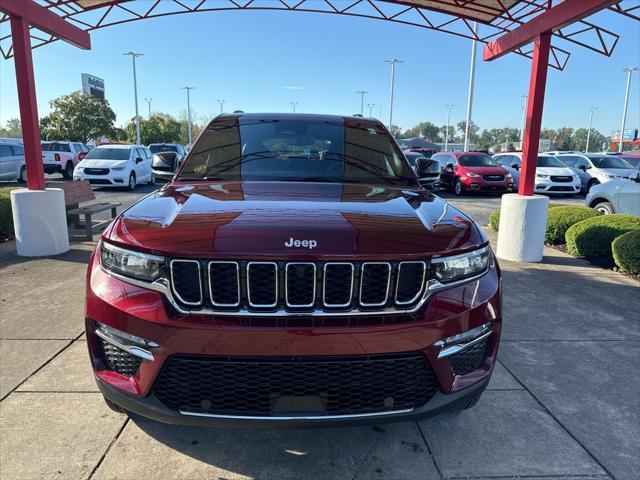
(292, 418)
(459, 347)
(133, 350)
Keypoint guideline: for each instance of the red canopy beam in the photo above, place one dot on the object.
(24, 13)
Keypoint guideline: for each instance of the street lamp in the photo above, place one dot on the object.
(472, 74)
(149, 100)
(393, 62)
(133, 56)
(446, 135)
(523, 121)
(294, 105)
(370, 106)
(362, 93)
(188, 89)
(591, 110)
(221, 103)
(626, 103)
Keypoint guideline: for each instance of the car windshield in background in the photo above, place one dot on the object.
(633, 161)
(105, 153)
(412, 157)
(609, 162)
(357, 151)
(56, 147)
(549, 162)
(477, 161)
(163, 148)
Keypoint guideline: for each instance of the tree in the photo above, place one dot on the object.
(198, 122)
(13, 129)
(159, 128)
(426, 130)
(595, 141)
(396, 131)
(442, 133)
(498, 137)
(563, 139)
(79, 118)
(473, 131)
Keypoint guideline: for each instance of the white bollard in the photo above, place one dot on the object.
(523, 223)
(39, 222)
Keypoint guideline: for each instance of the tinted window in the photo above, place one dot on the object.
(359, 151)
(106, 153)
(476, 161)
(633, 161)
(163, 148)
(5, 151)
(551, 162)
(56, 147)
(609, 162)
(412, 157)
(18, 149)
(570, 161)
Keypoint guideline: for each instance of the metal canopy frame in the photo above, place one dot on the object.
(454, 17)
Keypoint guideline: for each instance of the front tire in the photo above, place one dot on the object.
(605, 208)
(22, 176)
(458, 188)
(152, 180)
(67, 173)
(132, 182)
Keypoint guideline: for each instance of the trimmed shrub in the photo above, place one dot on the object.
(626, 252)
(592, 238)
(6, 218)
(560, 218)
(494, 220)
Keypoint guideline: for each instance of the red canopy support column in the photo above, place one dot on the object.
(533, 125)
(25, 81)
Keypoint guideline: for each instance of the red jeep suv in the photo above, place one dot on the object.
(293, 272)
(472, 172)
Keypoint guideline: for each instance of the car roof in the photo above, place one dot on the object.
(318, 117)
(119, 145)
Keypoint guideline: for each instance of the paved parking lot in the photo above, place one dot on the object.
(563, 402)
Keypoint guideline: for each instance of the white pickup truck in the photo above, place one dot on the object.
(62, 157)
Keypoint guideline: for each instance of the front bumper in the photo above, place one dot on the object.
(113, 179)
(148, 315)
(475, 184)
(557, 188)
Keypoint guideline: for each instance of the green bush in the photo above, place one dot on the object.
(494, 220)
(560, 218)
(6, 218)
(626, 252)
(592, 238)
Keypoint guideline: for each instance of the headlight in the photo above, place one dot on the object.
(118, 169)
(539, 175)
(613, 176)
(472, 175)
(459, 267)
(509, 176)
(79, 169)
(129, 263)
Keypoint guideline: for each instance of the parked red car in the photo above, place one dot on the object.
(472, 172)
(293, 272)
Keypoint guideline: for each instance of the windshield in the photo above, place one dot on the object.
(356, 151)
(477, 161)
(106, 153)
(163, 148)
(633, 161)
(412, 157)
(550, 162)
(55, 147)
(609, 162)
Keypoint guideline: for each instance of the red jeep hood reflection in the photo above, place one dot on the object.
(289, 219)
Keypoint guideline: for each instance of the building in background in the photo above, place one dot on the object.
(93, 86)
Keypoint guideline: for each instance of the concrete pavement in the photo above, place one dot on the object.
(563, 402)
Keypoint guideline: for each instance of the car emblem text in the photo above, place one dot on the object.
(310, 244)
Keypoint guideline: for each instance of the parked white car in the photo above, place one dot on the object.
(116, 166)
(552, 176)
(62, 157)
(595, 168)
(617, 196)
(12, 160)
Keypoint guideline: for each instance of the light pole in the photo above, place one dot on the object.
(362, 93)
(371, 105)
(626, 102)
(221, 103)
(446, 135)
(294, 105)
(591, 110)
(393, 62)
(149, 100)
(523, 121)
(472, 74)
(133, 56)
(188, 89)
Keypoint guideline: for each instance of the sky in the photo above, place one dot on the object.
(263, 61)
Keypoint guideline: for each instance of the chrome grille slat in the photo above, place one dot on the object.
(300, 288)
(368, 282)
(326, 274)
(401, 280)
(181, 281)
(260, 290)
(212, 266)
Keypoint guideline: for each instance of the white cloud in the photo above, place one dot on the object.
(288, 87)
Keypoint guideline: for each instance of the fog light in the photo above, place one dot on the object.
(129, 343)
(461, 341)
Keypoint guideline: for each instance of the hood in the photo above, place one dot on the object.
(555, 171)
(619, 172)
(486, 170)
(98, 163)
(273, 219)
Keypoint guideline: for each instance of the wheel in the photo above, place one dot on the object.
(457, 188)
(591, 183)
(67, 173)
(132, 182)
(605, 208)
(116, 408)
(22, 177)
(152, 180)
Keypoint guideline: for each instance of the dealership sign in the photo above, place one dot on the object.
(629, 134)
(93, 86)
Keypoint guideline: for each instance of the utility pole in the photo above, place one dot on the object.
(371, 105)
(221, 103)
(149, 100)
(523, 121)
(591, 110)
(626, 104)
(189, 133)
(446, 135)
(133, 56)
(393, 62)
(362, 93)
(294, 105)
(472, 74)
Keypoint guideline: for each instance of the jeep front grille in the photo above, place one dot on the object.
(297, 287)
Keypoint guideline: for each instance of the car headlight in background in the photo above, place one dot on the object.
(128, 263)
(459, 267)
(509, 176)
(118, 169)
(539, 175)
(472, 175)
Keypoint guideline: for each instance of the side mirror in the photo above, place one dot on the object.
(81, 155)
(138, 160)
(583, 168)
(450, 165)
(515, 166)
(635, 177)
